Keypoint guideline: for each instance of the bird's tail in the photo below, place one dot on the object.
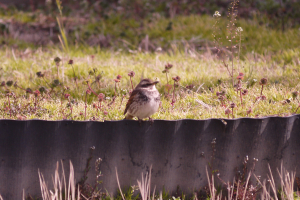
(128, 116)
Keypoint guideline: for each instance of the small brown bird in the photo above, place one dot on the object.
(143, 101)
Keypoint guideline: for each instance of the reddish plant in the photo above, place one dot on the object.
(176, 80)
(232, 106)
(75, 78)
(263, 82)
(131, 75)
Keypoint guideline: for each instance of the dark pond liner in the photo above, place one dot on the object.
(178, 151)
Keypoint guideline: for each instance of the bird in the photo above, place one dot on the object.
(144, 101)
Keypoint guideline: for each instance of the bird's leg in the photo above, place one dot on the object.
(151, 121)
(140, 121)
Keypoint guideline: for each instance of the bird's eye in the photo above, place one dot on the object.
(146, 85)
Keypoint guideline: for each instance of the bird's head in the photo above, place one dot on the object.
(147, 83)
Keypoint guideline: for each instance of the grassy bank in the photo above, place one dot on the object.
(202, 76)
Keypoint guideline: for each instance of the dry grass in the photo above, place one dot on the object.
(60, 190)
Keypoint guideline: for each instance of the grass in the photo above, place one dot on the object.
(241, 188)
(38, 82)
(182, 31)
(194, 69)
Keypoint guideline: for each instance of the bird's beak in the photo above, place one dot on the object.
(155, 82)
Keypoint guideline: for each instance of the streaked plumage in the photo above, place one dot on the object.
(143, 101)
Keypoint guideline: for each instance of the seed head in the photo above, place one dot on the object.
(165, 71)
(168, 66)
(223, 92)
(217, 14)
(245, 92)
(232, 105)
(191, 86)
(295, 94)
(70, 62)
(176, 78)
(131, 74)
(221, 97)
(263, 81)
(227, 111)
(239, 29)
(67, 96)
(119, 77)
(57, 60)
(101, 96)
(37, 93)
(55, 83)
(40, 74)
(239, 77)
(28, 90)
(42, 89)
(98, 77)
(93, 71)
(263, 97)
(173, 102)
(9, 83)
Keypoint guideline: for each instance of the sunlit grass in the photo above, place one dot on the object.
(200, 70)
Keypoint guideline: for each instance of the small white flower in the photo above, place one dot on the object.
(239, 29)
(217, 14)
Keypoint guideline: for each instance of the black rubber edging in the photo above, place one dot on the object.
(178, 151)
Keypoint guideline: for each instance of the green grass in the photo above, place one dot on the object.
(266, 53)
(200, 69)
(186, 31)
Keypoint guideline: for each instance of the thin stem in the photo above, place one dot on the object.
(85, 106)
(99, 105)
(232, 114)
(131, 83)
(239, 50)
(232, 64)
(24, 89)
(173, 98)
(241, 97)
(35, 98)
(46, 82)
(57, 64)
(226, 66)
(297, 108)
(75, 78)
(262, 87)
(167, 78)
(121, 101)
(115, 88)
(231, 37)
(9, 104)
(167, 83)
(71, 109)
(91, 89)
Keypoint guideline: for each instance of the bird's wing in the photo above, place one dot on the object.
(134, 94)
